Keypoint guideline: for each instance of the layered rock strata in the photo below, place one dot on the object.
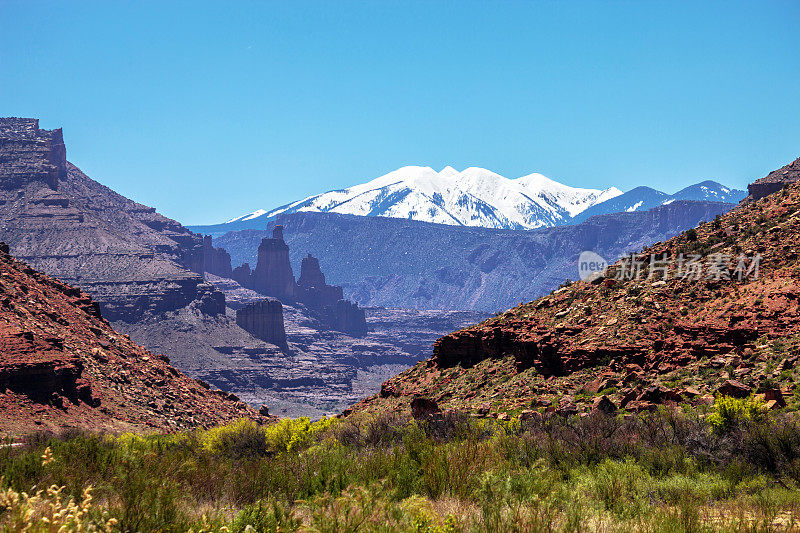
(273, 276)
(264, 320)
(63, 366)
(131, 259)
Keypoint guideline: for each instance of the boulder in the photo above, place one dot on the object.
(689, 392)
(528, 414)
(604, 405)
(638, 406)
(734, 388)
(628, 396)
(423, 407)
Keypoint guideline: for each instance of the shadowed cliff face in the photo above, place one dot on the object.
(264, 320)
(774, 181)
(273, 275)
(63, 366)
(131, 259)
(310, 273)
(400, 263)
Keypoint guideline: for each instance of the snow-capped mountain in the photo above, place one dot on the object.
(472, 197)
(477, 197)
(644, 198)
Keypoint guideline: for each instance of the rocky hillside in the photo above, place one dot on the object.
(63, 366)
(719, 312)
(132, 260)
(403, 263)
(147, 274)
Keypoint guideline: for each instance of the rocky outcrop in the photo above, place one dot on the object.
(63, 366)
(131, 259)
(345, 316)
(243, 276)
(774, 181)
(264, 320)
(721, 328)
(315, 293)
(215, 260)
(273, 274)
(310, 273)
(29, 154)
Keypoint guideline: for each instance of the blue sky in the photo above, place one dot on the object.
(208, 110)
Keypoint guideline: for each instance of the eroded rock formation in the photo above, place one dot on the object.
(310, 273)
(243, 276)
(264, 320)
(63, 366)
(30, 154)
(345, 315)
(273, 276)
(131, 259)
(215, 260)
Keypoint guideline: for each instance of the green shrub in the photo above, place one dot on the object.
(243, 438)
(620, 486)
(729, 412)
(294, 434)
(246, 438)
(265, 517)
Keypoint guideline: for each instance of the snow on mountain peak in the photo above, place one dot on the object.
(473, 197)
(448, 172)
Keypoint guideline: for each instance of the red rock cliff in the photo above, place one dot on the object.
(264, 319)
(273, 275)
(62, 365)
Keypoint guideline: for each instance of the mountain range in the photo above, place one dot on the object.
(151, 278)
(392, 262)
(644, 198)
(632, 341)
(476, 197)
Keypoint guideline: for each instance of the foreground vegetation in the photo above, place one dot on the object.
(735, 469)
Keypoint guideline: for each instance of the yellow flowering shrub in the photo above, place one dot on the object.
(728, 411)
(283, 436)
(292, 434)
